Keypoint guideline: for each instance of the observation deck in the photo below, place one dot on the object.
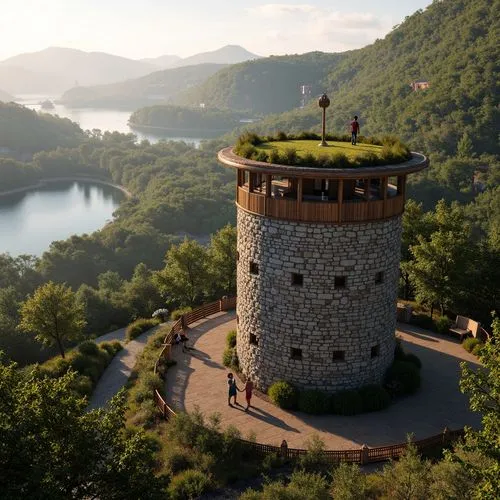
(321, 195)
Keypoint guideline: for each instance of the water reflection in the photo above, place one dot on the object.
(31, 220)
(105, 120)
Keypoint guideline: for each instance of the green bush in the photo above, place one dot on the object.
(283, 394)
(175, 315)
(423, 321)
(346, 403)
(147, 384)
(231, 339)
(139, 326)
(413, 358)
(178, 460)
(402, 378)
(442, 325)
(189, 484)
(89, 348)
(227, 356)
(82, 385)
(477, 349)
(314, 402)
(112, 348)
(374, 398)
(470, 343)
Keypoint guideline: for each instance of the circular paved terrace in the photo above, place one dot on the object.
(199, 380)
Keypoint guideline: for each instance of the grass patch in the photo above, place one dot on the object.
(139, 326)
(303, 150)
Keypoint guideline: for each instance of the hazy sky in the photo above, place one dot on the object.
(149, 28)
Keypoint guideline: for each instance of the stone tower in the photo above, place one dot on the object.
(318, 268)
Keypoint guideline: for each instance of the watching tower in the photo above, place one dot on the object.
(318, 268)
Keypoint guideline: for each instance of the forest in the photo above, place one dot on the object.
(181, 218)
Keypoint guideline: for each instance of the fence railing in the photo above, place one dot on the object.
(363, 455)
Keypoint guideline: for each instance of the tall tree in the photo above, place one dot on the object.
(482, 385)
(51, 448)
(53, 315)
(184, 278)
(222, 261)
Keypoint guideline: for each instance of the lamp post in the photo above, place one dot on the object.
(323, 103)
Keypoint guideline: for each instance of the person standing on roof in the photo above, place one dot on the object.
(354, 130)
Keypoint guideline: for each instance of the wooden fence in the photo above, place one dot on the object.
(363, 455)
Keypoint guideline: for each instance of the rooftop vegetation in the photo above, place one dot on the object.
(303, 150)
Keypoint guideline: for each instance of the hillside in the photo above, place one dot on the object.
(23, 131)
(453, 45)
(56, 69)
(160, 86)
(162, 62)
(267, 85)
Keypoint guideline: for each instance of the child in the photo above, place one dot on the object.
(231, 382)
(248, 392)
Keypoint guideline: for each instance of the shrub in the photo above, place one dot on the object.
(347, 403)
(374, 398)
(274, 156)
(442, 325)
(247, 150)
(250, 138)
(413, 358)
(313, 401)
(402, 378)
(179, 312)
(231, 339)
(112, 348)
(399, 353)
(89, 348)
(308, 160)
(470, 343)
(314, 459)
(227, 356)
(349, 482)
(146, 414)
(290, 156)
(423, 321)
(138, 327)
(477, 349)
(147, 384)
(281, 136)
(82, 385)
(178, 460)
(283, 394)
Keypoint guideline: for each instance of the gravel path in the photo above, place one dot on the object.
(117, 373)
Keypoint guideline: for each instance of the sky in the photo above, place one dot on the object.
(150, 28)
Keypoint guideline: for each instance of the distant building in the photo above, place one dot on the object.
(305, 94)
(420, 85)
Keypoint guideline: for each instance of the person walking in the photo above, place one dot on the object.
(354, 131)
(248, 392)
(233, 388)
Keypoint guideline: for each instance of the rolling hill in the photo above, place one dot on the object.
(56, 69)
(160, 86)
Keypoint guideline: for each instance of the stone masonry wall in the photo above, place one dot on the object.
(346, 335)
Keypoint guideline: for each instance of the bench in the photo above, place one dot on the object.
(464, 327)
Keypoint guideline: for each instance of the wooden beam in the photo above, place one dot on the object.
(340, 198)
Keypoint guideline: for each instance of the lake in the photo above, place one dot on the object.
(31, 220)
(103, 119)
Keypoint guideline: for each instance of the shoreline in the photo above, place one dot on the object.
(44, 182)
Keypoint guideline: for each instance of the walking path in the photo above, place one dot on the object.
(117, 373)
(199, 380)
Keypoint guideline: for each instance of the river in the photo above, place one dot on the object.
(103, 119)
(31, 220)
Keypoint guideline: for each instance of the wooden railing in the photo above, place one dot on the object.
(319, 211)
(363, 455)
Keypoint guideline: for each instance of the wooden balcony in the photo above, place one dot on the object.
(357, 210)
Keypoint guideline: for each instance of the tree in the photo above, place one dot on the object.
(53, 315)
(482, 385)
(222, 261)
(440, 262)
(465, 147)
(408, 478)
(348, 482)
(51, 448)
(184, 278)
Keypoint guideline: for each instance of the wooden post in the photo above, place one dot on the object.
(367, 189)
(340, 198)
(299, 196)
(284, 449)
(269, 187)
(364, 455)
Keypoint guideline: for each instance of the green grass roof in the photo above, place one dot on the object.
(305, 147)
